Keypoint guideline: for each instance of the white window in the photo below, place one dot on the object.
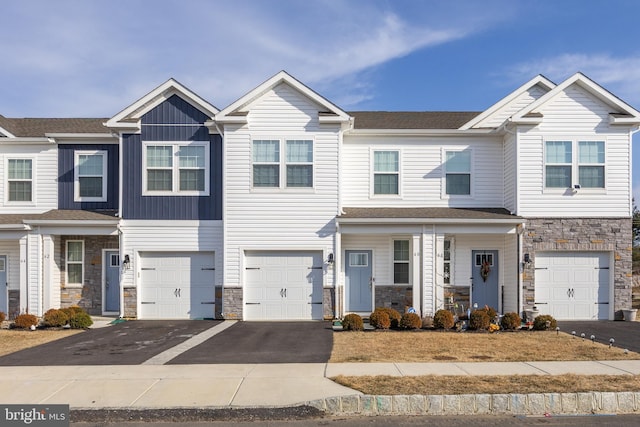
(75, 262)
(177, 168)
(559, 161)
(358, 259)
(591, 164)
(572, 163)
(457, 167)
(20, 180)
(386, 172)
(400, 261)
(268, 162)
(90, 176)
(447, 273)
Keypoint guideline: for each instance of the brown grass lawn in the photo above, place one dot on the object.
(431, 384)
(437, 346)
(12, 340)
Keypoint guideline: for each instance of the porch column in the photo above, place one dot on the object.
(415, 272)
(51, 290)
(24, 300)
(338, 287)
(428, 270)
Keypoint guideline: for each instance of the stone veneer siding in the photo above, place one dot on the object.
(130, 302)
(89, 296)
(231, 303)
(581, 234)
(396, 297)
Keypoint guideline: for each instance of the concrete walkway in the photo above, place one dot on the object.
(227, 385)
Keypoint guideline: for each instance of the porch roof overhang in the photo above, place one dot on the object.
(59, 217)
(418, 215)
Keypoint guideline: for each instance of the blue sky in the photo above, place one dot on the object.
(86, 58)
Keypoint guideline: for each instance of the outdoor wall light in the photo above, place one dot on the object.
(330, 258)
(527, 259)
(126, 262)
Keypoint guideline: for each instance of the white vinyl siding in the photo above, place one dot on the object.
(499, 117)
(422, 171)
(176, 168)
(574, 115)
(293, 218)
(90, 176)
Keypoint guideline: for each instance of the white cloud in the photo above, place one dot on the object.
(620, 75)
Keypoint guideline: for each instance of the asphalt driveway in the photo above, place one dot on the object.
(134, 342)
(265, 342)
(126, 343)
(625, 334)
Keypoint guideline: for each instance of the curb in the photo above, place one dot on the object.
(540, 404)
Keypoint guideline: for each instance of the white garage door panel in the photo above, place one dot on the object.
(177, 285)
(283, 285)
(573, 285)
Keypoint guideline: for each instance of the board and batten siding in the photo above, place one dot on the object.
(279, 218)
(66, 177)
(574, 115)
(45, 176)
(169, 237)
(422, 174)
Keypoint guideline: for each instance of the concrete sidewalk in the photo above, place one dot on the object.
(227, 385)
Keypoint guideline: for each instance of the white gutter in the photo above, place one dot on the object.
(428, 221)
(76, 222)
(24, 140)
(83, 136)
(19, 227)
(421, 132)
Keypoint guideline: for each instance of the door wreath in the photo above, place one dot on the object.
(485, 269)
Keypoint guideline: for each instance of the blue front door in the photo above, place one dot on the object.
(359, 281)
(3, 284)
(484, 290)
(112, 282)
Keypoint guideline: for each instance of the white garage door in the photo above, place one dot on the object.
(177, 285)
(573, 285)
(283, 286)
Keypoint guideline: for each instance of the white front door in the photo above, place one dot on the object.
(177, 285)
(573, 285)
(283, 286)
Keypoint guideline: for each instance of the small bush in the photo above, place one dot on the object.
(352, 322)
(479, 320)
(55, 318)
(80, 320)
(491, 312)
(380, 320)
(3, 316)
(25, 321)
(410, 321)
(443, 319)
(540, 322)
(394, 315)
(70, 311)
(510, 321)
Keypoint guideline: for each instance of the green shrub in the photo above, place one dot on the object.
(55, 318)
(394, 315)
(352, 322)
(479, 320)
(379, 319)
(510, 321)
(410, 321)
(25, 321)
(80, 320)
(540, 322)
(443, 319)
(3, 316)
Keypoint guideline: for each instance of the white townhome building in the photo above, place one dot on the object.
(283, 206)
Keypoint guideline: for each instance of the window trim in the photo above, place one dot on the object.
(175, 168)
(67, 263)
(76, 175)
(471, 172)
(575, 164)
(31, 202)
(282, 163)
(394, 261)
(372, 173)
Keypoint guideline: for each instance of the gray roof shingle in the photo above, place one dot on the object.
(38, 127)
(411, 119)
